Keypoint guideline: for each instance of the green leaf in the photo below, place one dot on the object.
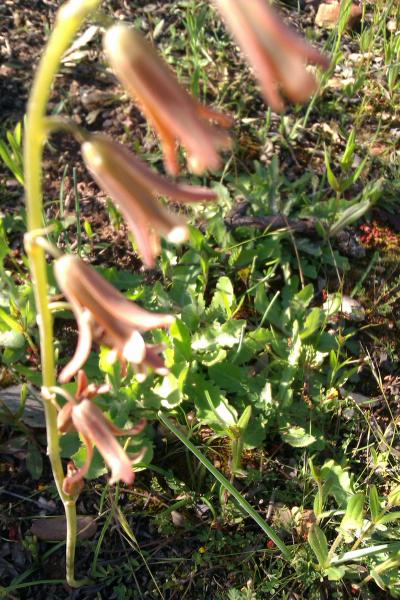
(97, 467)
(182, 339)
(224, 298)
(217, 335)
(394, 496)
(297, 437)
(333, 182)
(12, 339)
(354, 515)
(69, 444)
(302, 299)
(10, 322)
(229, 378)
(337, 482)
(374, 504)
(319, 544)
(347, 158)
(351, 214)
(389, 518)
(312, 323)
(244, 418)
(211, 405)
(335, 573)
(34, 461)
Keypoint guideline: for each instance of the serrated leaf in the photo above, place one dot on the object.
(319, 545)
(389, 518)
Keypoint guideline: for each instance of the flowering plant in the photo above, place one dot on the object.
(102, 313)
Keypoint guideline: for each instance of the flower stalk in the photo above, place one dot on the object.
(69, 19)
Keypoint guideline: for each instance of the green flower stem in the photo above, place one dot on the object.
(228, 486)
(69, 19)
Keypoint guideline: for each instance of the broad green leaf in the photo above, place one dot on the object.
(216, 335)
(211, 405)
(335, 573)
(229, 377)
(12, 339)
(354, 515)
(312, 323)
(337, 482)
(223, 299)
(34, 461)
(302, 299)
(319, 544)
(394, 496)
(69, 444)
(170, 389)
(97, 467)
(297, 437)
(182, 338)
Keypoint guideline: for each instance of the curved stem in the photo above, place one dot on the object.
(229, 487)
(69, 19)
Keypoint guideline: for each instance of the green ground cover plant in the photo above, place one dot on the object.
(267, 433)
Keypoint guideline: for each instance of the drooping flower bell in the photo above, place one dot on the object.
(174, 114)
(134, 187)
(277, 54)
(105, 316)
(81, 414)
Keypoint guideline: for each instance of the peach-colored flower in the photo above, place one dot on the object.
(134, 188)
(84, 416)
(277, 54)
(174, 114)
(104, 315)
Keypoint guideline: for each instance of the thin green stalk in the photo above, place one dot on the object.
(228, 486)
(69, 19)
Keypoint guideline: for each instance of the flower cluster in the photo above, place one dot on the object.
(103, 314)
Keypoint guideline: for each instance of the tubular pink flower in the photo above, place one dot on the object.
(85, 417)
(104, 315)
(134, 188)
(277, 54)
(174, 114)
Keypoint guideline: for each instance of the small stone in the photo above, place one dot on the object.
(328, 15)
(55, 529)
